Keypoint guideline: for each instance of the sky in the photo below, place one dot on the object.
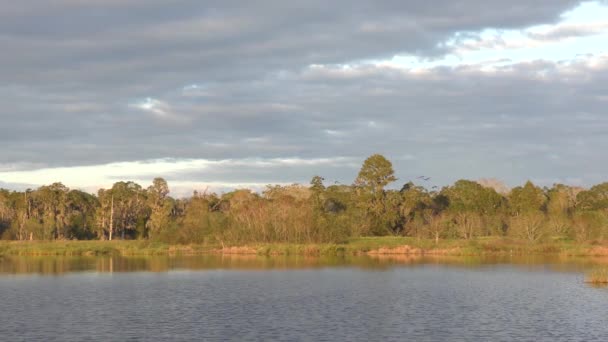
(227, 94)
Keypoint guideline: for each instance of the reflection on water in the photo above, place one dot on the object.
(48, 265)
(382, 298)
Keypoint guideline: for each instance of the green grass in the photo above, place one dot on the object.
(480, 246)
(92, 248)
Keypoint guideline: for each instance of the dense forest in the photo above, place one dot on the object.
(308, 214)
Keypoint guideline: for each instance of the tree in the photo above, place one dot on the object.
(81, 213)
(526, 199)
(6, 211)
(104, 215)
(376, 173)
(561, 199)
(589, 225)
(595, 198)
(52, 208)
(436, 223)
(560, 208)
(128, 208)
(414, 199)
(196, 221)
(469, 196)
(160, 206)
(528, 225)
(527, 204)
(469, 202)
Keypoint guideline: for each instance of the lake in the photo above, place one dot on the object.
(246, 298)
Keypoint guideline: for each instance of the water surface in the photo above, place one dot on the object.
(300, 299)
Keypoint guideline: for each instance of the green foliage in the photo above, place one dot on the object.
(528, 198)
(308, 215)
(595, 198)
(373, 200)
(590, 225)
(160, 206)
(469, 196)
(376, 173)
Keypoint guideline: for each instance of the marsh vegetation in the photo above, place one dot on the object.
(598, 276)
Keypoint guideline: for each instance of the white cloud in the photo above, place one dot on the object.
(582, 31)
(189, 171)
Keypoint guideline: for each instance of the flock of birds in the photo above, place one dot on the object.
(426, 179)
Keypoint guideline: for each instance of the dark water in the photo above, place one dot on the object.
(299, 299)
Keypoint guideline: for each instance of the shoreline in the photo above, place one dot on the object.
(359, 246)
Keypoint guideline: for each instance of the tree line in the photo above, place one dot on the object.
(314, 213)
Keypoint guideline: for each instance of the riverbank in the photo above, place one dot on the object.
(357, 246)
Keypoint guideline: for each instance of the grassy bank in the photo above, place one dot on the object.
(379, 245)
(412, 246)
(92, 248)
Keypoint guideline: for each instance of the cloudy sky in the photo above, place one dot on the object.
(244, 93)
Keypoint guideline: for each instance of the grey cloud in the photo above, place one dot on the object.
(72, 72)
(503, 123)
(119, 41)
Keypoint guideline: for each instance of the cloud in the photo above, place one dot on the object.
(158, 108)
(104, 82)
(534, 37)
(568, 31)
(502, 123)
(184, 175)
